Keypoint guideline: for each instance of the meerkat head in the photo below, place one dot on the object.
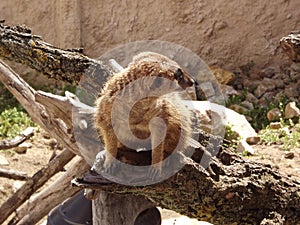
(170, 69)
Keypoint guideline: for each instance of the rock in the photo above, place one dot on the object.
(275, 125)
(274, 114)
(267, 72)
(239, 109)
(291, 110)
(222, 76)
(251, 98)
(208, 89)
(243, 146)
(247, 105)
(228, 91)
(265, 86)
(22, 148)
(295, 67)
(253, 140)
(279, 83)
(3, 161)
(289, 155)
(292, 90)
(219, 116)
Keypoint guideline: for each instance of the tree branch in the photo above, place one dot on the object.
(19, 45)
(240, 192)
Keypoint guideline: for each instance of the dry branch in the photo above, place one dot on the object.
(35, 182)
(19, 45)
(51, 196)
(12, 174)
(23, 136)
(238, 192)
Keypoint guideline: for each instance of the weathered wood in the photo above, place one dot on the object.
(291, 45)
(35, 182)
(23, 136)
(126, 207)
(19, 45)
(239, 191)
(12, 174)
(38, 113)
(40, 204)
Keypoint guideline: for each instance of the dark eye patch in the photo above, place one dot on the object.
(178, 75)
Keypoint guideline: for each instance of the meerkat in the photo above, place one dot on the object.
(149, 90)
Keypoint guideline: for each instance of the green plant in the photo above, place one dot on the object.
(12, 121)
(288, 136)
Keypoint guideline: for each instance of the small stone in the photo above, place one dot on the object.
(275, 125)
(279, 83)
(289, 155)
(291, 110)
(268, 72)
(260, 90)
(228, 90)
(243, 146)
(221, 25)
(239, 109)
(222, 76)
(22, 148)
(3, 161)
(208, 89)
(251, 98)
(291, 91)
(247, 105)
(274, 114)
(295, 67)
(52, 143)
(253, 140)
(46, 135)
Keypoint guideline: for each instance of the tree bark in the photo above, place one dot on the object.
(12, 174)
(234, 192)
(49, 197)
(19, 45)
(237, 192)
(23, 136)
(35, 182)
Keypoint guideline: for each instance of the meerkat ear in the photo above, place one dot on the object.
(178, 75)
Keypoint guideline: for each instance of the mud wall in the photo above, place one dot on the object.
(224, 32)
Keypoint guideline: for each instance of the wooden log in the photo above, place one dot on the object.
(19, 45)
(12, 174)
(35, 182)
(23, 136)
(38, 113)
(238, 191)
(40, 204)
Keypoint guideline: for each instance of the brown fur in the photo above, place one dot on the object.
(167, 107)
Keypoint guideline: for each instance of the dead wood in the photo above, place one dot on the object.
(240, 192)
(23, 136)
(40, 204)
(237, 192)
(12, 174)
(291, 45)
(35, 182)
(19, 45)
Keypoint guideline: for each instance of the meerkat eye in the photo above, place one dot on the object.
(178, 75)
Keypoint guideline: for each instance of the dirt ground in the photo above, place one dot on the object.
(42, 148)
